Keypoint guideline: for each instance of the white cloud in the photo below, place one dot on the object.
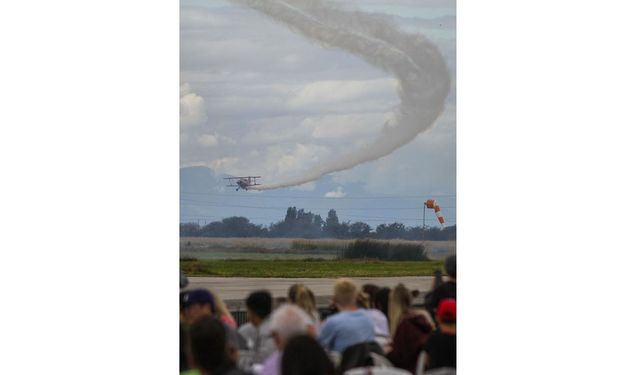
(338, 193)
(345, 125)
(262, 100)
(224, 165)
(309, 186)
(192, 108)
(208, 140)
(296, 159)
(337, 92)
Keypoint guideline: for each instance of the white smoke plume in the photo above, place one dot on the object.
(414, 61)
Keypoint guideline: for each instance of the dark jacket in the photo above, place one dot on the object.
(410, 337)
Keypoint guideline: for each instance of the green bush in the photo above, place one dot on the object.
(383, 250)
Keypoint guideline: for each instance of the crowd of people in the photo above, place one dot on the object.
(366, 330)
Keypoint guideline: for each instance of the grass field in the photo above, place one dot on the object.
(207, 248)
(307, 268)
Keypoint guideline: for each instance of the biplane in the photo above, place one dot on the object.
(243, 182)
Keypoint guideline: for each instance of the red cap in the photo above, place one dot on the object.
(447, 310)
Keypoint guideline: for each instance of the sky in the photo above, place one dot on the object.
(259, 99)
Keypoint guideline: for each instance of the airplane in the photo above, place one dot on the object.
(243, 182)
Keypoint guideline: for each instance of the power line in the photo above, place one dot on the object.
(367, 218)
(191, 202)
(303, 197)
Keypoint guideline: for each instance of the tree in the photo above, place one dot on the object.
(389, 231)
(359, 230)
(331, 224)
(189, 229)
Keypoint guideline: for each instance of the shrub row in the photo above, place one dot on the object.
(383, 250)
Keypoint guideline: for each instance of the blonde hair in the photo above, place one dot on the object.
(399, 304)
(362, 300)
(345, 292)
(303, 297)
(219, 306)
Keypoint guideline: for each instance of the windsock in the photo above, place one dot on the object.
(431, 203)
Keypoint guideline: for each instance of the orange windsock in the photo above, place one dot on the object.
(431, 203)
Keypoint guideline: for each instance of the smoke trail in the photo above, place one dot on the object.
(416, 63)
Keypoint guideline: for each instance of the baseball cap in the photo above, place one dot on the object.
(447, 310)
(200, 296)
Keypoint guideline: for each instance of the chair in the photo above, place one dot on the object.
(441, 371)
(422, 361)
(377, 371)
(380, 360)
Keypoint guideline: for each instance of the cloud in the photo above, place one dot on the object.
(261, 100)
(338, 193)
(345, 125)
(192, 108)
(339, 92)
(309, 186)
(208, 140)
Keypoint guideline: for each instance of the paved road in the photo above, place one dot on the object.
(234, 290)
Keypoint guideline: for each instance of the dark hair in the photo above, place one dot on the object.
(450, 265)
(260, 303)
(184, 348)
(381, 300)
(371, 290)
(208, 344)
(302, 355)
(437, 281)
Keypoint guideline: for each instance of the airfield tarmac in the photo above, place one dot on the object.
(233, 290)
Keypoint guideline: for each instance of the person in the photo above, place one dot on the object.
(409, 329)
(303, 355)
(258, 332)
(350, 325)
(195, 304)
(446, 289)
(184, 281)
(441, 344)
(222, 312)
(186, 361)
(211, 352)
(302, 296)
(381, 301)
(437, 281)
(380, 322)
(280, 301)
(287, 321)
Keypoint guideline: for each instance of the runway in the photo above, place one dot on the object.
(233, 290)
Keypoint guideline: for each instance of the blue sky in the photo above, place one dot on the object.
(259, 99)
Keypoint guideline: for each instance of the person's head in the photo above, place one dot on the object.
(258, 306)
(399, 304)
(437, 279)
(370, 290)
(345, 294)
(303, 297)
(450, 266)
(362, 301)
(303, 355)
(287, 321)
(209, 344)
(446, 312)
(381, 300)
(196, 303)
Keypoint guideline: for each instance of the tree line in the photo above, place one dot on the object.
(298, 223)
